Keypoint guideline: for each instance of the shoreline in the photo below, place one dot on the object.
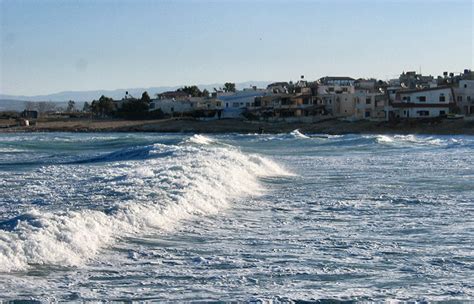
(176, 125)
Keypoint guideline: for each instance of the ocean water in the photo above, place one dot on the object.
(275, 218)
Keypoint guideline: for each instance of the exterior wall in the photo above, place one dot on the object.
(430, 96)
(345, 105)
(425, 103)
(170, 106)
(370, 105)
(423, 112)
(335, 89)
(234, 103)
(464, 95)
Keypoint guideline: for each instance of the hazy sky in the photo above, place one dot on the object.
(51, 46)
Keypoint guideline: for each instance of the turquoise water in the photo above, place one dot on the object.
(284, 217)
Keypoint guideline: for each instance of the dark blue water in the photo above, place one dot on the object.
(283, 217)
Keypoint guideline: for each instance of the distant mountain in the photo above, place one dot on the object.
(20, 105)
(12, 105)
(116, 94)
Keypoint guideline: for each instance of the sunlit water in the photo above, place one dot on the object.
(236, 217)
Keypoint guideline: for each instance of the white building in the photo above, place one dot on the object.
(235, 103)
(185, 106)
(464, 94)
(423, 103)
(172, 106)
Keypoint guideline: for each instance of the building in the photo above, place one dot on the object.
(370, 105)
(421, 103)
(464, 94)
(335, 85)
(412, 80)
(235, 103)
(336, 95)
(287, 107)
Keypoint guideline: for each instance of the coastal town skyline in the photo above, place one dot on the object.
(53, 46)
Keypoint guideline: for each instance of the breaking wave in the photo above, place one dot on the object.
(297, 134)
(417, 140)
(133, 192)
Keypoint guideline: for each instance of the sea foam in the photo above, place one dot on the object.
(155, 193)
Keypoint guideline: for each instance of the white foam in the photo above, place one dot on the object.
(191, 181)
(296, 133)
(410, 140)
(384, 139)
(200, 139)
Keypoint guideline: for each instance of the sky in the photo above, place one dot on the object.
(50, 46)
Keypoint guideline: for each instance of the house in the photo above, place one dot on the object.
(287, 107)
(235, 103)
(171, 106)
(370, 105)
(464, 93)
(335, 85)
(421, 103)
(29, 114)
(176, 95)
(278, 87)
(412, 80)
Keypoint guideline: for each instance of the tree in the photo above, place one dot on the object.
(229, 87)
(193, 90)
(145, 97)
(31, 106)
(71, 106)
(86, 107)
(103, 107)
(205, 93)
(44, 106)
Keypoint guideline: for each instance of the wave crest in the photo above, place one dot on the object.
(149, 194)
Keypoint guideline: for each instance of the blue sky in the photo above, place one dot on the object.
(50, 46)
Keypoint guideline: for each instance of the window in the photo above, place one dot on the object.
(441, 113)
(172, 109)
(421, 98)
(468, 98)
(226, 104)
(368, 100)
(344, 89)
(367, 114)
(423, 113)
(442, 98)
(459, 98)
(465, 86)
(235, 104)
(406, 98)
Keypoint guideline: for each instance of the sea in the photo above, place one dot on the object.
(260, 218)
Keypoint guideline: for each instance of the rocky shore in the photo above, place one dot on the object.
(330, 126)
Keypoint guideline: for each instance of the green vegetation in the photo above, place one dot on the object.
(193, 90)
(104, 107)
(229, 87)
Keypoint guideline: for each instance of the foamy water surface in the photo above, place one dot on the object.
(283, 217)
